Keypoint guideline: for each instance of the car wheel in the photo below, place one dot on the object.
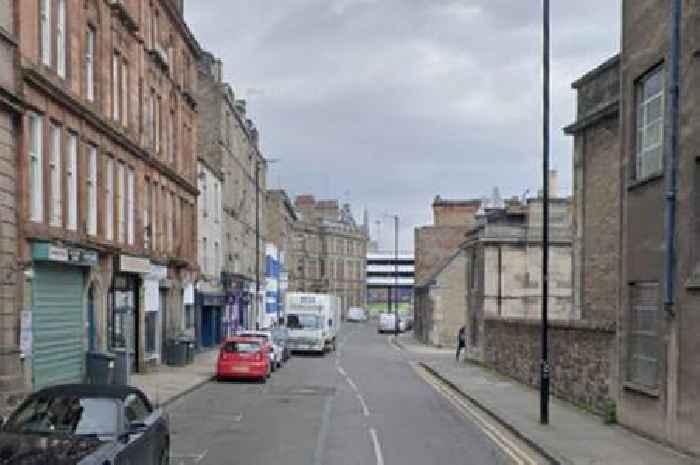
(272, 367)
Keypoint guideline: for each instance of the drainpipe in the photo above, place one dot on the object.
(671, 171)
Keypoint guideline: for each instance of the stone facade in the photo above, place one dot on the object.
(503, 260)
(329, 253)
(115, 80)
(434, 245)
(597, 193)
(659, 372)
(280, 217)
(441, 300)
(11, 107)
(229, 145)
(581, 357)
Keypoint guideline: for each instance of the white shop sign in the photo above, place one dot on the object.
(129, 264)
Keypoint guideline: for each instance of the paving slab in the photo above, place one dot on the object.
(573, 436)
(166, 384)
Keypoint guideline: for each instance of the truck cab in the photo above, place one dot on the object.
(312, 321)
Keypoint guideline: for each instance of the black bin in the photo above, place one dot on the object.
(100, 368)
(176, 353)
(189, 347)
(122, 367)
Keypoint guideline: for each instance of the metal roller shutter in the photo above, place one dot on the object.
(57, 321)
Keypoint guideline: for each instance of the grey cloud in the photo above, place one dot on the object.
(396, 101)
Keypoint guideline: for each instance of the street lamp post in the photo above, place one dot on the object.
(544, 364)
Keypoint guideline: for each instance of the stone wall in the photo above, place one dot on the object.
(581, 358)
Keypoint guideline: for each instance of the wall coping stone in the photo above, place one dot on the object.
(582, 325)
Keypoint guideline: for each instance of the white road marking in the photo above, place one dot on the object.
(377, 446)
(365, 410)
(519, 456)
(352, 384)
(195, 458)
(341, 371)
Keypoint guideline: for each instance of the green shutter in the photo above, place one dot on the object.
(57, 325)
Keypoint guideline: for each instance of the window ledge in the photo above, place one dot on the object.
(635, 183)
(639, 389)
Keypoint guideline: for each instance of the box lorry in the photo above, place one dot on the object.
(313, 321)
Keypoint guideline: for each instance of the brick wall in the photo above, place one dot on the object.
(434, 244)
(580, 358)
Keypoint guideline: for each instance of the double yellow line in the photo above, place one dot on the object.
(515, 451)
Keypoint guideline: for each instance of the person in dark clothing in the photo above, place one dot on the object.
(461, 341)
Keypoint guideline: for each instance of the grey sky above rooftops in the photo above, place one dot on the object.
(387, 103)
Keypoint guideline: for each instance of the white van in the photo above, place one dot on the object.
(356, 314)
(387, 323)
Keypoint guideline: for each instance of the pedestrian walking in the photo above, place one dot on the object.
(461, 341)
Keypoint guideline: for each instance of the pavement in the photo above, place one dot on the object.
(573, 436)
(365, 404)
(166, 384)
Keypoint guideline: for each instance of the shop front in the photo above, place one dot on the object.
(124, 316)
(61, 321)
(212, 305)
(238, 303)
(155, 309)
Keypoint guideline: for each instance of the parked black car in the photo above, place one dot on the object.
(86, 425)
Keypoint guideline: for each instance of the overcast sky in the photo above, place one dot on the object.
(388, 103)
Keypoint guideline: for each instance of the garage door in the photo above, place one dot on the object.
(57, 324)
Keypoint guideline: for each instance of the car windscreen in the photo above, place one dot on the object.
(303, 321)
(66, 415)
(241, 347)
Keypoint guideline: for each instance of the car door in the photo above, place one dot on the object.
(144, 446)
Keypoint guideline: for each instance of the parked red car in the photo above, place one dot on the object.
(243, 358)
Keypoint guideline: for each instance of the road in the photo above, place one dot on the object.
(363, 405)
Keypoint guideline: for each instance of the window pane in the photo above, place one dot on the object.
(653, 84)
(72, 168)
(654, 109)
(36, 191)
(55, 168)
(89, 64)
(109, 201)
(652, 135)
(130, 206)
(46, 32)
(92, 191)
(61, 39)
